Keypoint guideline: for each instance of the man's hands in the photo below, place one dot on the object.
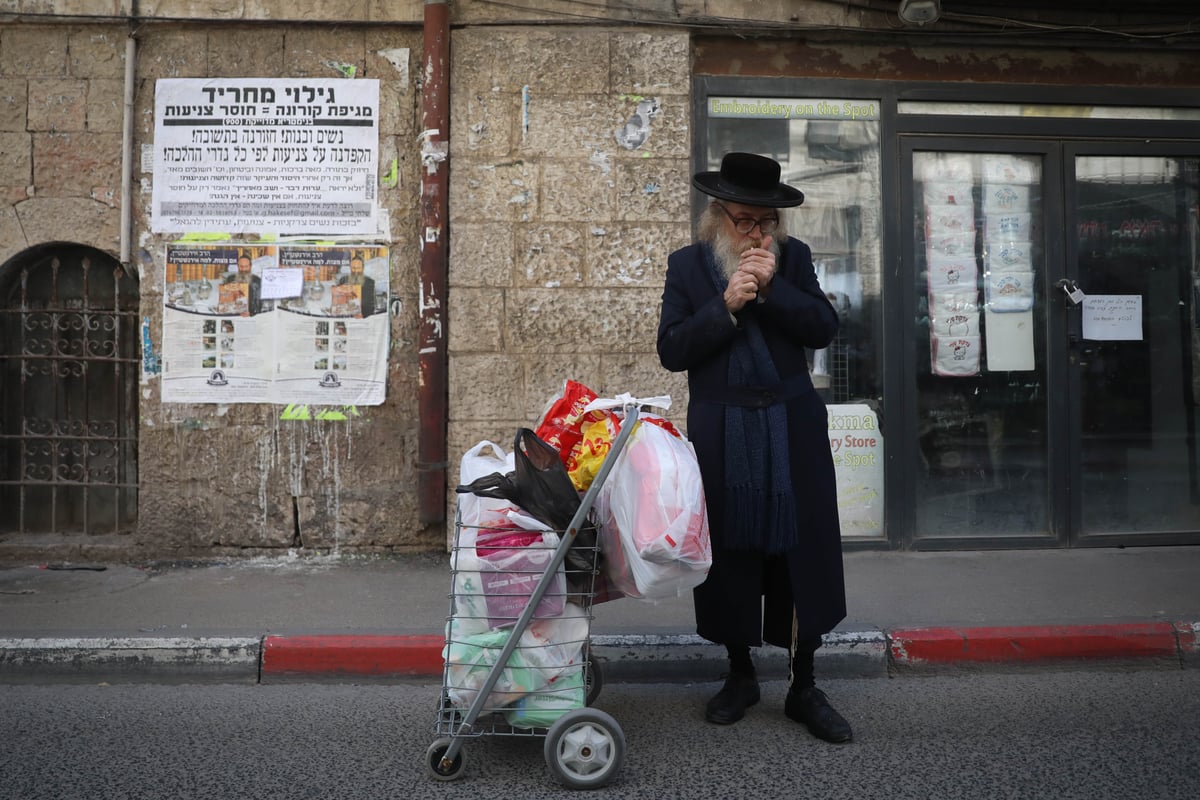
(753, 275)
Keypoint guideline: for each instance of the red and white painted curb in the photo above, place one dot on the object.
(871, 653)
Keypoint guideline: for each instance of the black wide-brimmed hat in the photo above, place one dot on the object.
(749, 179)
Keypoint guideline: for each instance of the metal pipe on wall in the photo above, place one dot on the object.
(127, 153)
(432, 366)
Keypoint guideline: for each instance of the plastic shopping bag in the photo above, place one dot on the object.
(563, 420)
(653, 521)
(512, 562)
(485, 458)
(541, 487)
(546, 649)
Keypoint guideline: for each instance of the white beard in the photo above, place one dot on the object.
(728, 256)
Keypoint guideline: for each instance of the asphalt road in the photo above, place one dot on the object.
(1060, 735)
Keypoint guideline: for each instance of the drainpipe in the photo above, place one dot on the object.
(127, 153)
(432, 363)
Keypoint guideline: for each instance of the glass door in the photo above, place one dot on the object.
(1134, 334)
(981, 469)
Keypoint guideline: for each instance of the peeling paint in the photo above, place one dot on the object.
(392, 179)
(398, 57)
(524, 111)
(637, 130)
(151, 362)
(432, 153)
(600, 159)
(296, 411)
(476, 133)
(342, 68)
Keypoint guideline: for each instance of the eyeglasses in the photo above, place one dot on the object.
(744, 225)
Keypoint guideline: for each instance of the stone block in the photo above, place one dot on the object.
(550, 256)
(12, 238)
(584, 320)
(244, 52)
(476, 321)
(573, 192)
(651, 63)
(641, 375)
(494, 192)
(13, 103)
(16, 159)
(57, 105)
(70, 164)
(481, 254)
(485, 386)
(633, 255)
(97, 52)
(78, 219)
(569, 126)
(549, 60)
(323, 52)
(192, 9)
(653, 190)
(393, 54)
(105, 105)
(410, 11)
(483, 122)
(301, 10)
(33, 51)
(546, 374)
(397, 111)
(171, 53)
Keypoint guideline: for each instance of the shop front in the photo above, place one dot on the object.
(1018, 273)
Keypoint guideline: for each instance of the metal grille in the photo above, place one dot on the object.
(68, 381)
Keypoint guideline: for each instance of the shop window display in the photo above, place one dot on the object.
(981, 403)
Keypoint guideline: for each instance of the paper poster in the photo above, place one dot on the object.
(265, 155)
(1009, 341)
(1112, 317)
(857, 445)
(226, 340)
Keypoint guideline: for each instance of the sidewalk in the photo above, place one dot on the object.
(354, 618)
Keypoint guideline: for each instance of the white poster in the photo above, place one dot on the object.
(857, 445)
(323, 341)
(265, 155)
(1112, 317)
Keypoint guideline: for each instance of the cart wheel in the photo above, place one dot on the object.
(585, 748)
(594, 681)
(436, 755)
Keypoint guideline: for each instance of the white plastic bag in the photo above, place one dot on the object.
(469, 614)
(545, 650)
(653, 521)
(477, 462)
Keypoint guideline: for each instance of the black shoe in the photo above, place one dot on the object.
(729, 705)
(810, 707)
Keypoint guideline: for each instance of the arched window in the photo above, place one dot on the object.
(69, 368)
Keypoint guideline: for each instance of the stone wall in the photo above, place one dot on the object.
(239, 478)
(559, 234)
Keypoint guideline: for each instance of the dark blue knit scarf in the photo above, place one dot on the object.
(760, 509)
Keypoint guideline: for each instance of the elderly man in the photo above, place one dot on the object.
(739, 308)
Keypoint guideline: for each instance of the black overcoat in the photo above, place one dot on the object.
(695, 334)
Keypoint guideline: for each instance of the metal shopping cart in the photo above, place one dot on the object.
(517, 661)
